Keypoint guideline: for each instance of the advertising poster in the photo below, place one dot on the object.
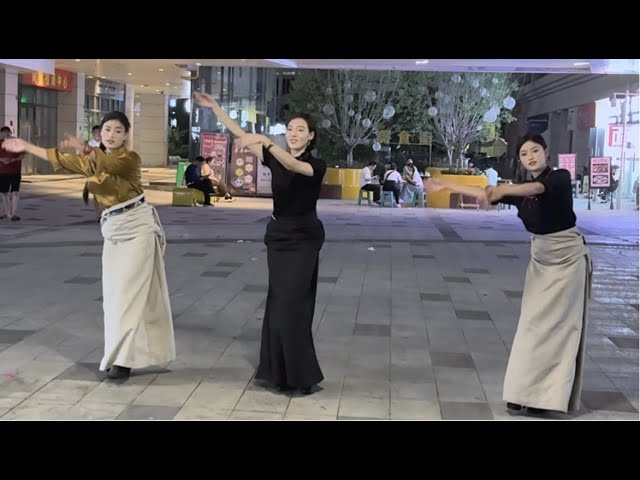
(600, 176)
(216, 145)
(568, 162)
(243, 172)
(264, 179)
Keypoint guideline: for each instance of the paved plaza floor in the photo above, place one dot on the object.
(415, 314)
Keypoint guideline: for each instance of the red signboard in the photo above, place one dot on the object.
(600, 172)
(62, 80)
(615, 135)
(568, 162)
(216, 145)
(587, 116)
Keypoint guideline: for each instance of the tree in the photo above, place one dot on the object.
(350, 104)
(178, 142)
(459, 108)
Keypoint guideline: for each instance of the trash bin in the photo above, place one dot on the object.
(182, 166)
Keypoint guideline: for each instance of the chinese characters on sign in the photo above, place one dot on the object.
(425, 138)
(615, 134)
(405, 138)
(62, 80)
(384, 136)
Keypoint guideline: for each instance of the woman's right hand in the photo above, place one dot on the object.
(15, 145)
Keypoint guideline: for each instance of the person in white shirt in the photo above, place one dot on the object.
(392, 182)
(366, 179)
(408, 168)
(95, 140)
(412, 183)
(492, 176)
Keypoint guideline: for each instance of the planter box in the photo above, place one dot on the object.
(443, 199)
(346, 181)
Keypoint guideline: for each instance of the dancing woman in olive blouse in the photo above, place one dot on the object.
(138, 327)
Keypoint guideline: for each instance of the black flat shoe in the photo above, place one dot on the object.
(535, 410)
(117, 372)
(514, 406)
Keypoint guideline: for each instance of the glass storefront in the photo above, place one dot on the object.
(611, 116)
(248, 94)
(101, 97)
(37, 123)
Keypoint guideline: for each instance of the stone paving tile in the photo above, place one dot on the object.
(418, 328)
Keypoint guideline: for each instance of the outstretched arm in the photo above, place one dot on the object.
(437, 185)
(73, 162)
(17, 145)
(521, 190)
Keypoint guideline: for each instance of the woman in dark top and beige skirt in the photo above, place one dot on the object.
(294, 238)
(547, 356)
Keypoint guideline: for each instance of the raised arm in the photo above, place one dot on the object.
(521, 190)
(206, 100)
(252, 141)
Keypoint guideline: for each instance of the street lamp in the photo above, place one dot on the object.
(624, 109)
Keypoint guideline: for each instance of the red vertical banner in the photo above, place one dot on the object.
(586, 116)
(568, 162)
(616, 134)
(243, 172)
(600, 172)
(216, 145)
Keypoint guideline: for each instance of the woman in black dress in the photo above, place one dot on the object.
(294, 238)
(545, 365)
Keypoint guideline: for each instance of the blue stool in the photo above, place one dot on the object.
(387, 195)
(419, 198)
(368, 194)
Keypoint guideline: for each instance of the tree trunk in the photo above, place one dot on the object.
(350, 157)
(457, 154)
(454, 156)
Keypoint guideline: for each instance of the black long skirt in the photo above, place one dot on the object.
(287, 354)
